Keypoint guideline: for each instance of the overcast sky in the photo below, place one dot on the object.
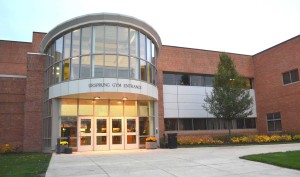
(236, 26)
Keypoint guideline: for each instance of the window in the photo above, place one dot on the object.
(169, 79)
(183, 79)
(291, 76)
(86, 39)
(171, 124)
(197, 81)
(185, 124)
(123, 41)
(85, 69)
(123, 65)
(196, 124)
(274, 121)
(75, 42)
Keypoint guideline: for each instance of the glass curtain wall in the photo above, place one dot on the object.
(102, 51)
(71, 109)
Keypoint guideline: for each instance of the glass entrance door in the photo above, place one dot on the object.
(85, 128)
(131, 133)
(101, 137)
(116, 133)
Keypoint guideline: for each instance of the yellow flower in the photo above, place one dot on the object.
(63, 143)
(151, 139)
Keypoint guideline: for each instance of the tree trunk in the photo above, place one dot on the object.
(229, 128)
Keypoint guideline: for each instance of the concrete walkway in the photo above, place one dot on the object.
(185, 162)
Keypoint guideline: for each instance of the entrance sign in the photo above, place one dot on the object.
(103, 84)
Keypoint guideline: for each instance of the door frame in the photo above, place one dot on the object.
(127, 133)
(102, 133)
(81, 134)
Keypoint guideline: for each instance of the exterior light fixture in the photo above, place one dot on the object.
(97, 98)
(124, 98)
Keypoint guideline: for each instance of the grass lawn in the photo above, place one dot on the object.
(24, 164)
(289, 159)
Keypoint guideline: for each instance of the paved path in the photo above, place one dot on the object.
(185, 162)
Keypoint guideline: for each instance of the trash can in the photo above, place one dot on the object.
(58, 146)
(172, 140)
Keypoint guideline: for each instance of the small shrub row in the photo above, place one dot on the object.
(8, 148)
(194, 140)
(197, 140)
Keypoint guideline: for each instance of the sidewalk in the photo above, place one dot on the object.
(185, 162)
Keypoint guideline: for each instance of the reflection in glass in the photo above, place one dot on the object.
(101, 126)
(75, 42)
(144, 125)
(66, 70)
(98, 65)
(68, 128)
(68, 107)
(131, 139)
(149, 73)
(197, 80)
(116, 125)
(86, 41)
(85, 107)
(67, 45)
(56, 73)
(131, 125)
(85, 126)
(133, 43)
(123, 41)
(98, 40)
(153, 55)
(143, 108)
(101, 140)
(116, 108)
(134, 68)
(123, 66)
(116, 139)
(101, 108)
(58, 49)
(85, 71)
(130, 109)
(85, 140)
(143, 70)
(75, 68)
(110, 69)
(149, 51)
(142, 46)
(110, 39)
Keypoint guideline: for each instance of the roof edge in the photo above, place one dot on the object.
(276, 45)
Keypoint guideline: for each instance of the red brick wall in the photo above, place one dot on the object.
(271, 95)
(12, 98)
(13, 57)
(34, 101)
(177, 59)
(13, 61)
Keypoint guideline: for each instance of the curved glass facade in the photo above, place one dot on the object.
(102, 51)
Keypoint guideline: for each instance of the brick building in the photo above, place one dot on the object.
(107, 81)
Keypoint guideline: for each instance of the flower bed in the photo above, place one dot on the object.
(251, 139)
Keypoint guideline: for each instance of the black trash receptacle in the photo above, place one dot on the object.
(172, 140)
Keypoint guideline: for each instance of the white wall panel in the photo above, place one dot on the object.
(170, 106)
(171, 113)
(190, 106)
(84, 86)
(170, 98)
(193, 90)
(64, 89)
(191, 98)
(73, 87)
(192, 113)
(170, 89)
